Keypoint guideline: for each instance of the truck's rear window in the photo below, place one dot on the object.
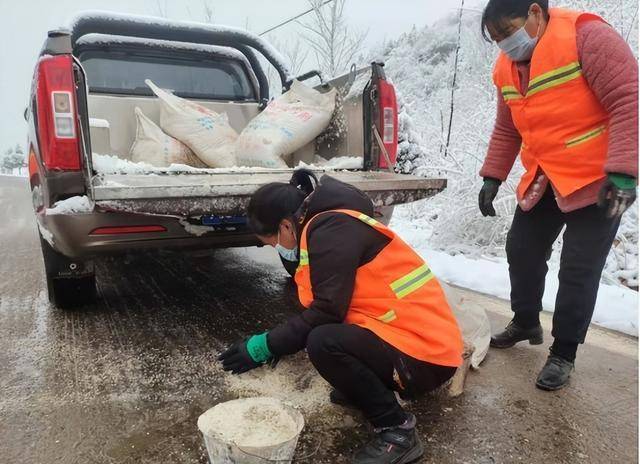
(221, 79)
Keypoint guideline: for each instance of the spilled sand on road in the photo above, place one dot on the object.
(293, 380)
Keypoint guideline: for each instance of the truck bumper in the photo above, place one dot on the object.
(72, 235)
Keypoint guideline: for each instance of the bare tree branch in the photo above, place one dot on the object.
(455, 75)
(161, 8)
(335, 44)
(208, 11)
(295, 53)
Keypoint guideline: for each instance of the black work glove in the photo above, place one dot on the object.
(237, 359)
(488, 193)
(247, 354)
(617, 194)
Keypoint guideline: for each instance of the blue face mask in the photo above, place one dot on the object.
(286, 253)
(519, 46)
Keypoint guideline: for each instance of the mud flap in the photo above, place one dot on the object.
(70, 283)
(58, 266)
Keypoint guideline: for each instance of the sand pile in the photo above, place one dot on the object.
(293, 380)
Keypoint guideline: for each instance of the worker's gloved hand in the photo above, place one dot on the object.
(247, 354)
(488, 193)
(617, 194)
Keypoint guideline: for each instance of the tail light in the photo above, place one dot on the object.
(57, 114)
(388, 124)
(33, 163)
(117, 230)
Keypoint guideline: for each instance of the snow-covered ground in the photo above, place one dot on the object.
(616, 308)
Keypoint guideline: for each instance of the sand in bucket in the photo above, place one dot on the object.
(251, 431)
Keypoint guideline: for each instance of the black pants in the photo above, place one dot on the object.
(586, 244)
(366, 370)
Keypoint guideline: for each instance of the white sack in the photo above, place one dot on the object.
(158, 149)
(473, 322)
(206, 132)
(287, 124)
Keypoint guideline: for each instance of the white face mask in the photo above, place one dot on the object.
(286, 253)
(519, 46)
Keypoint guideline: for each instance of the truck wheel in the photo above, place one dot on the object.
(70, 283)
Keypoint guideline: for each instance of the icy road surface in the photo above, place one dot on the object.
(124, 380)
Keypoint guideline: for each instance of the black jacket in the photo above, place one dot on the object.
(338, 245)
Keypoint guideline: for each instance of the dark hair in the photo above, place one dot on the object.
(272, 203)
(498, 12)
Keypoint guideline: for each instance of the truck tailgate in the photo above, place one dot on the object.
(188, 194)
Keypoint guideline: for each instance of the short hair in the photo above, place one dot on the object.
(498, 12)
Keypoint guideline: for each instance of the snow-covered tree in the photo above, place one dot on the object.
(13, 159)
(421, 64)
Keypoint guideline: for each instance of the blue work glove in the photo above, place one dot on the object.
(617, 194)
(245, 355)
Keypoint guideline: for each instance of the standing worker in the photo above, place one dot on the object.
(568, 102)
(376, 319)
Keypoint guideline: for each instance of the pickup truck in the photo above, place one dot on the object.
(88, 80)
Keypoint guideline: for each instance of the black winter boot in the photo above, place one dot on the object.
(392, 445)
(513, 334)
(555, 373)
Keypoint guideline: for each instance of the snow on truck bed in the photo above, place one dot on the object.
(73, 205)
(108, 164)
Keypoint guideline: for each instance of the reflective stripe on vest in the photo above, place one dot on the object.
(546, 81)
(562, 123)
(555, 77)
(412, 281)
(368, 220)
(387, 317)
(509, 92)
(304, 258)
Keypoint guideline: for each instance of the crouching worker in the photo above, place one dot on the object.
(376, 319)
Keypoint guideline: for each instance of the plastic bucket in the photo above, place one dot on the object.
(277, 445)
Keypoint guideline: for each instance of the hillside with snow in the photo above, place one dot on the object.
(421, 64)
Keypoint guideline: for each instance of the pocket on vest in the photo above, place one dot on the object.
(585, 137)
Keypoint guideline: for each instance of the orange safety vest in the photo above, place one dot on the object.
(397, 297)
(564, 127)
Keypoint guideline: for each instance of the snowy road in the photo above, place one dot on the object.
(123, 381)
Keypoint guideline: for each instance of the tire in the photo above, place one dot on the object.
(70, 283)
